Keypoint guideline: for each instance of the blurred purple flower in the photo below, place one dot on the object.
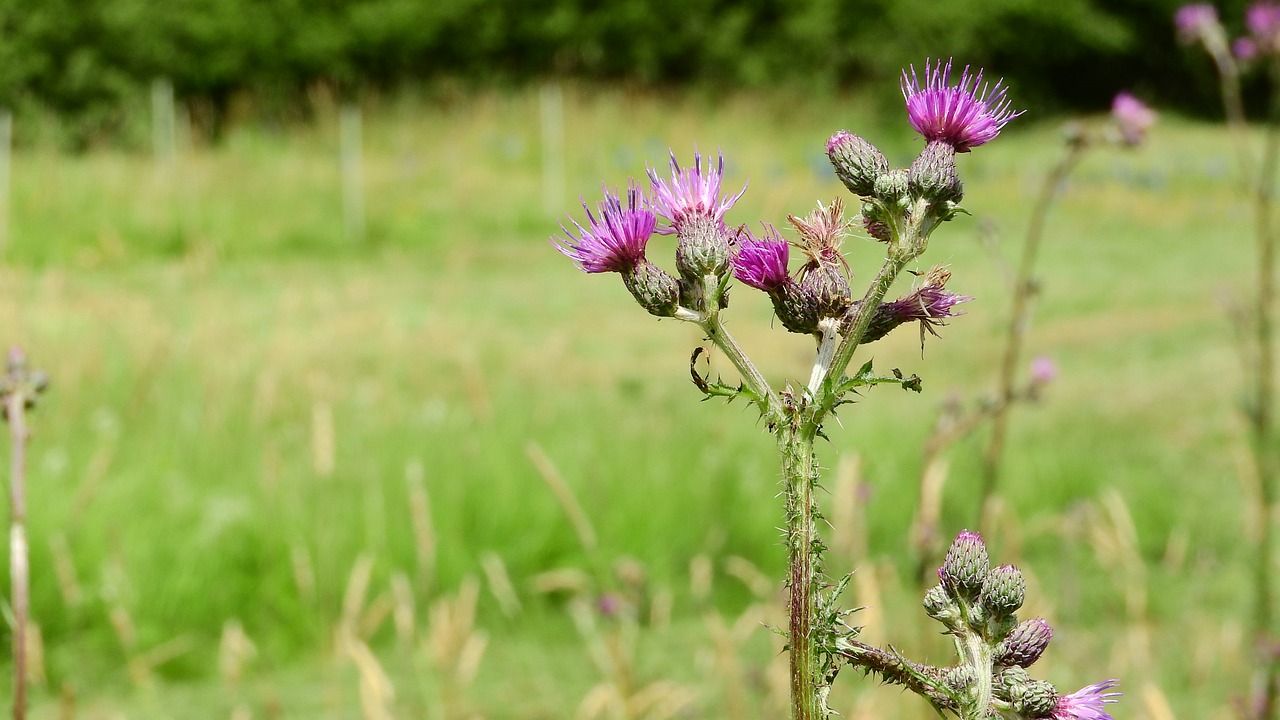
(614, 241)
(762, 262)
(1263, 21)
(1132, 117)
(691, 195)
(1086, 703)
(1043, 370)
(964, 115)
(1245, 49)
(1194, 20)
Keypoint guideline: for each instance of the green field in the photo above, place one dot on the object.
(250, 409)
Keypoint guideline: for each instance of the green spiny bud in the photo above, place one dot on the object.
(933, 175)
(966, 566)
(829, 288)
(1038, 701)
(796, 306)
(891, 187)
(702, 249)
(875, 221)
(857, 162)
(1011, 684)
(653, 288)
(1003, 591)
(958, 678)
(939, 605)
(1025, 644)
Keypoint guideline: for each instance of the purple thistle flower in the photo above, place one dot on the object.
(1132, 117)
(964, 115)
(1245, 49)
(1043, 370)
(691, 195)
(1194, 20)
(1263, 21)
(614, 241)
(1086, 703)
(762, 263)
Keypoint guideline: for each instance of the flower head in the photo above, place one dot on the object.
(1043, 370)
(692, 194)
(1263, 21)
(614, 241)
(1132, 117)
(964, 115)
(822, 232)
(1194, 20)
(762, 262)
(1245, 49)
(1086, 703)
(930, 305)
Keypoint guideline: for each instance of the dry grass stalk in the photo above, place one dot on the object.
(564, 495)
(500, 585)
(701, 577)
(235, 651)
(322, 439)
(760, 584)
(304, 575)
(454, 646)
(404, 615)
(424, 534)
(65, 568)
(619, 696)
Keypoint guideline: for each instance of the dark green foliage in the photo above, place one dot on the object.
(90, 61)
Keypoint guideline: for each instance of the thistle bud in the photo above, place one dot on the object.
(1003, 591)
(891, 188)
(653, 288)
(702, 249)
(1039, 700)
(1024, 645)
(958, 678)
(966, 566)
(857, 162)
(796, 306)
(939, 605)
(1012, 684)
(933, 175)
(828, 287)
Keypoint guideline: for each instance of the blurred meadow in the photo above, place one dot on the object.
(285, 471)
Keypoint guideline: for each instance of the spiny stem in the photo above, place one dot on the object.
(799, 475)
(1019, 315)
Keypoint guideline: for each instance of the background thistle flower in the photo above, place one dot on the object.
(1132, 118)
(614, 241)
(965, 115)
(1193, 21)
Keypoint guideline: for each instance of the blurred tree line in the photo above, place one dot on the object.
(89, 62)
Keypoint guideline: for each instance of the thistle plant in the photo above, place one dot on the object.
(1259, 48)
(900, 208)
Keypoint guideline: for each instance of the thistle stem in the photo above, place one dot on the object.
(799, 472)
(1019, 318)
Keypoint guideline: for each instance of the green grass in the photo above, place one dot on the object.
(200, 330)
